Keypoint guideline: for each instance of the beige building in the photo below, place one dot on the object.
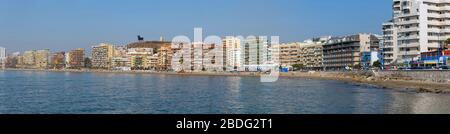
(150, 55)
(289, 54)
(42, 59)
(311, 56)
(102, 56)
(140, 58)
(153, 61)
(29, 60)
(308, 54)
(20, 61)
(140, 62)
(165, 54)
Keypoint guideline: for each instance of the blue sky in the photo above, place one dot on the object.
(66, 24)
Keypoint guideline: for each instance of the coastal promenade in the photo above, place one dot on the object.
(417, 81)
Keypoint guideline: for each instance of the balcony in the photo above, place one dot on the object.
(409, 53)
(439, 23)
(388, 52)
(408, 22)
(434, 45)
(437, 30)
(388, 58)
(411, 37)
(407, 15)
(435, 15)
(411, 29)
(436, 38)
(388, 41)
(409, 45)
(444, 8)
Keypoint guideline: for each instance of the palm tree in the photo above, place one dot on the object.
(181, 63)
(377, 64)
(298, 67)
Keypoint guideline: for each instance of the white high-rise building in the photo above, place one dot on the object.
(2, 52)
(233, 53)
(389, 49)
(67, 60)
(2, 57)
(256, 53)
(417, 26)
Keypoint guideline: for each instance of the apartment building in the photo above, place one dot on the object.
(140, 57)
(58, 60)
(75, 59)
(121, 63)
(233, 53)
(256, 54)
(289, 54)
(348, 51)
(309, 53)
(389, 50)
(29, 58)
(196, 56)
(2, 57)
(154, 55)
(417, 26)
(42, 58)
(121, 60)
(102, 56)
(181, 59)
(165, 54)
(311, 56)
(140, 62)
(12, 60)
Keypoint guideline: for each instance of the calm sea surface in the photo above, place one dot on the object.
(29, 92)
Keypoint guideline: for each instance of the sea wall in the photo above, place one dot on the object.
(441, 76)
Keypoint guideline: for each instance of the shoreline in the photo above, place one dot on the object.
(393, 83)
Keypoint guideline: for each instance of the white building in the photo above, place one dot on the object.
(196, 57)
(67, 60)
(2, 52)
(233, 53)
(256, 54)
(389, 49)
(417, 26)
(2, 57)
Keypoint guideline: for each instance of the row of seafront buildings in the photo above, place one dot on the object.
(235, 54)
(415, 36)
(332, 53)
(44, 59)
(418, 28)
